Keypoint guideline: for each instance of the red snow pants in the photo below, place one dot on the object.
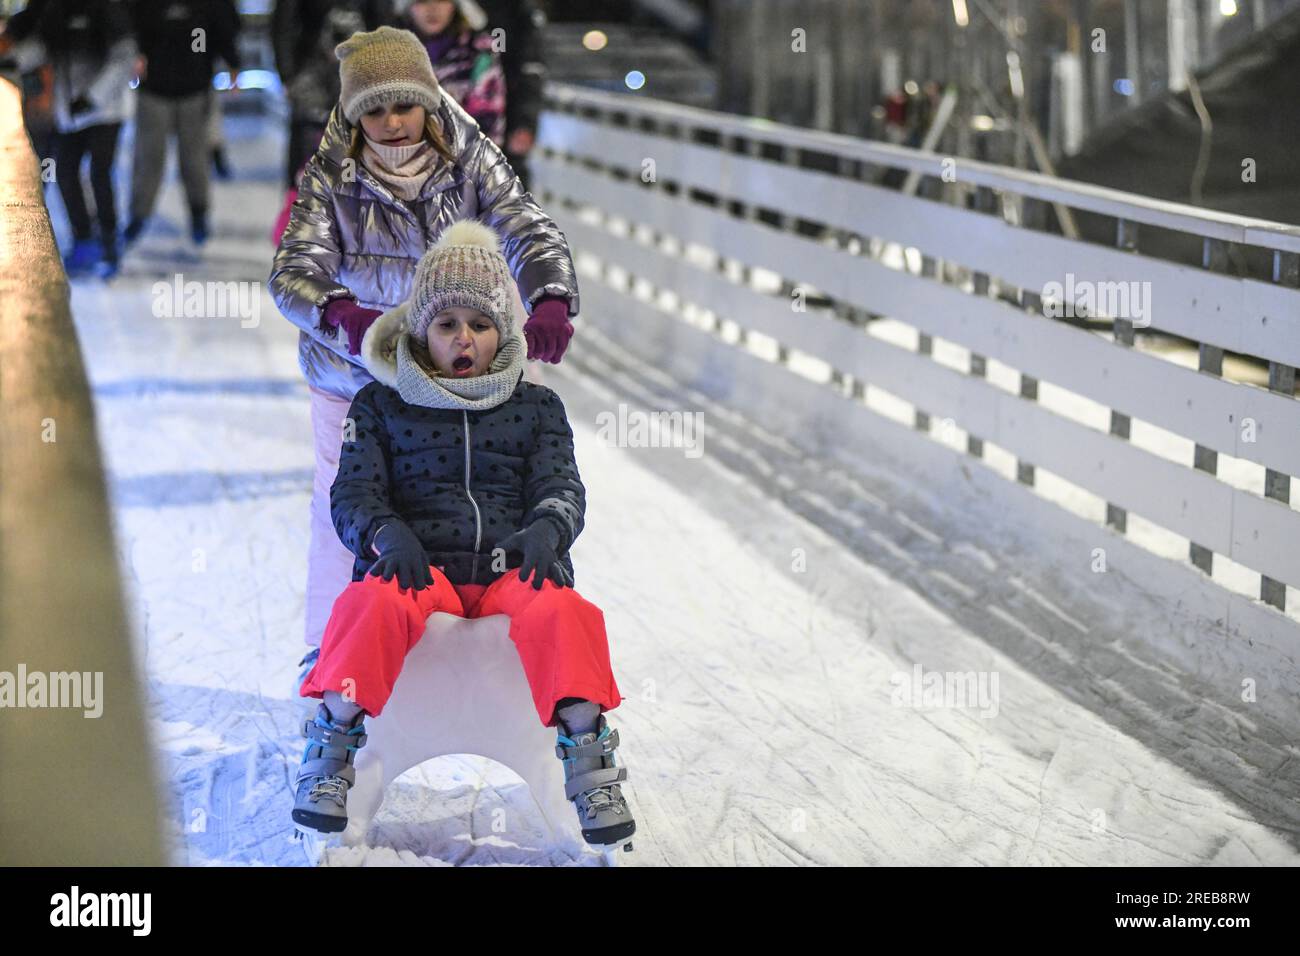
(560, 637)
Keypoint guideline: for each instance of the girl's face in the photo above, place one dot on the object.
(462, 342)
(395, 124)
(432, 16)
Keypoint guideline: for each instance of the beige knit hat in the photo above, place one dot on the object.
(385, 66)
(464, 267)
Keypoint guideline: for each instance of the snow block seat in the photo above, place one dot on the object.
(462, 690)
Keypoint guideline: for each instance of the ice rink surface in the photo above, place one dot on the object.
(761, 724)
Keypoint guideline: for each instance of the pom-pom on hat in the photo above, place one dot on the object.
(464, 267)
(385, 66)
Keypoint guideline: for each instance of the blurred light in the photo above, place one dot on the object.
(135, 82)
(1228, 7)
(595, 40)
(960, 13)
(1124, 87)
(910, 88)
(256, 80)
(635, 79)
(981, 123)
(1014, 76)
(248, 80)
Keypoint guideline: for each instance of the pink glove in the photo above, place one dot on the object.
(548, 329)
(353, 319)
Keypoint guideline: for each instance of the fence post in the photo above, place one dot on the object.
(1034, 218)
(931, 268)
(986, 202)
(1214, 257)
(1126, 238)
(790, 156)
(1281, 378)
(754, 149)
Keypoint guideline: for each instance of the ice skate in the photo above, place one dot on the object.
(592, 782)
(326, 773)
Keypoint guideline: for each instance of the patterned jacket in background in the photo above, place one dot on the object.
(524, 60)
(470, 72)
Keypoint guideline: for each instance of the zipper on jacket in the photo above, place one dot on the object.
(478, 518)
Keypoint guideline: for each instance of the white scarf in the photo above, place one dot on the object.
(403, 169)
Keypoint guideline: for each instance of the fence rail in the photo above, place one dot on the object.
(75, 789)
(695, 203)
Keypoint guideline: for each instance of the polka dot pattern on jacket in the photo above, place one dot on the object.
(408, 462)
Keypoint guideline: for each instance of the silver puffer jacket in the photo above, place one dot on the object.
(349, 235)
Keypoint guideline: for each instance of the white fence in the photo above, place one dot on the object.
(699, 205)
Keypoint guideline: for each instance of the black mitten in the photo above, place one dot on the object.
(401, 554)
(537, 544)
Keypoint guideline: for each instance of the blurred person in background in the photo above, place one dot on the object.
(301, 35)
(92, 50)
(525, 71)
(217, 135)
(216, 118)
(463, 59)
(37, 85)
(176, 99)
(313, 93)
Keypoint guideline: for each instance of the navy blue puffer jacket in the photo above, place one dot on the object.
(461, 479)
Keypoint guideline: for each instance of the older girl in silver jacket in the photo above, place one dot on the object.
(399, 162)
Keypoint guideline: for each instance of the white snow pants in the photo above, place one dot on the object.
(329, 563)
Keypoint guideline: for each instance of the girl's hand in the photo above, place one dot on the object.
(353, 319)
(401, 554)
(538, 542)
(548, 329)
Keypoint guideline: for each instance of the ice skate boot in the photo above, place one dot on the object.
(86, 254)
(591, 781)
(326, 773)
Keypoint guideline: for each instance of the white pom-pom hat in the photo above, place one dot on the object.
(464, 267)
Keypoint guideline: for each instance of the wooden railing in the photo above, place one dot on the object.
(76, 780)
(698, 203)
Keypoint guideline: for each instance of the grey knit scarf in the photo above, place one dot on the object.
(418, 386)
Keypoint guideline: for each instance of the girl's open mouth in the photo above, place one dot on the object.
(463, 363)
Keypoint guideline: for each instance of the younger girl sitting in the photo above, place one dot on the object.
(453, 473)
